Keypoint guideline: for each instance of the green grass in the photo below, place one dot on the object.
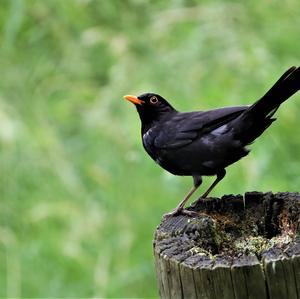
(80, 199)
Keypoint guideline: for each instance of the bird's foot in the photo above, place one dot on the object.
(181, 212)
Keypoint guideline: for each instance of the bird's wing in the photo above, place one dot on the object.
(184, 128)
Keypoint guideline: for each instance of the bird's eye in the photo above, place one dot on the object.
(153, 100)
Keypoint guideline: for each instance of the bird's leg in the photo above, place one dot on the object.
(220, 176)
(180, 208)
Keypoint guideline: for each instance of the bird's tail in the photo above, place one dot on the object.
(253, 121)
(285, 87)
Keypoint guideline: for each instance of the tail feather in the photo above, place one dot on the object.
(254, 121)
(287, 85)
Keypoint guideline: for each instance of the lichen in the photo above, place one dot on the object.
(252, 245)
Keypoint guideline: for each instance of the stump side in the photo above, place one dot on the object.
(238, 247)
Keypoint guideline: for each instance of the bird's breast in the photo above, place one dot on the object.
(148, 141)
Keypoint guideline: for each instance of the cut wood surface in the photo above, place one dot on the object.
(238, 247)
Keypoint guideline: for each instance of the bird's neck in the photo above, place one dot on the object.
(149, 119)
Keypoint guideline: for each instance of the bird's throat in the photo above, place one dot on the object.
(150, 117)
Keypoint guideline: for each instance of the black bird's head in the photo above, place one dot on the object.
(151, 107)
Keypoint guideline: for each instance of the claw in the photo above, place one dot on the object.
(181, 212)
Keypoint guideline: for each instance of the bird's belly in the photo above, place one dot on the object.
(200, 158)
(179, 163)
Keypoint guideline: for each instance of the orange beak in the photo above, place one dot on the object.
(133, 99)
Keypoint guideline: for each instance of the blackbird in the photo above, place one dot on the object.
(204, 143)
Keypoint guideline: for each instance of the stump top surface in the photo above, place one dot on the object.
(233, 230)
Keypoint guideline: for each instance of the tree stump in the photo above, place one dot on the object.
(237, 248)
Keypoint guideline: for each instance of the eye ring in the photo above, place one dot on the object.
(153, 100)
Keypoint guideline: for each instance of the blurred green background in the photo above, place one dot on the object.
(80, 199)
